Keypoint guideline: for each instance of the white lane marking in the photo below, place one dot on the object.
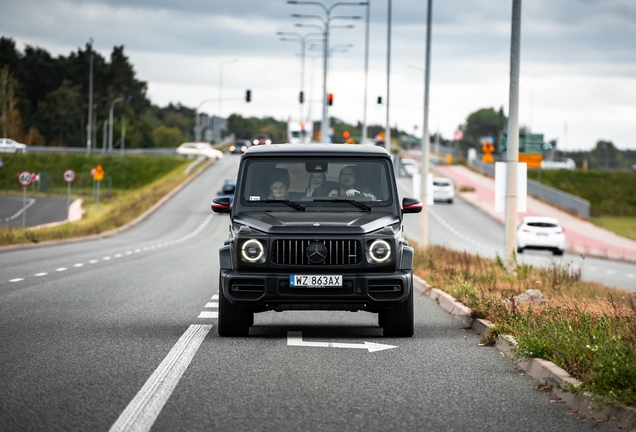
(295, 338)
(78, 265)
(61, 269)
(215, 297)
(117, 255)
(93, 261)
(16, 280)
(610, 272)
(631, 276)
(128, 252)
(212, 305)
(41, 274)
(31, 201)
(143, 410)
(106, 258)
(208, 314)
(137, 250)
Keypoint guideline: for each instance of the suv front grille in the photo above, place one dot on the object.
(338, 252)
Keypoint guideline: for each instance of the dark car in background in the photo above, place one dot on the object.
(227, 190)
(240, 146)
(262, 138)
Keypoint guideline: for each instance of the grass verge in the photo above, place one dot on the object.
(116, 210)
(586, 328)
(623, 226)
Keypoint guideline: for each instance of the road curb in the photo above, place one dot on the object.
(544, 371)
(123, 227)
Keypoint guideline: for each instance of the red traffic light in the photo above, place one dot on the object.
(330, 98)
(346, 134)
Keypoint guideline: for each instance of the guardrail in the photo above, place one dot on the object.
(135, 151)
(546, 193)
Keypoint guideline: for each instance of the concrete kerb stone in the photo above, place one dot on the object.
(542, 370)
(123, 227)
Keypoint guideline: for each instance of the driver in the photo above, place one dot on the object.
(347, 180)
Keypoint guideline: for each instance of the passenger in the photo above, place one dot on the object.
(278, 191)
(347, 180)
(318, 185)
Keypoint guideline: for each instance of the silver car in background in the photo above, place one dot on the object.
(7, 145)
(443, 190)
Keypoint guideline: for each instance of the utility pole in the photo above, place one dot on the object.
(387, 133)
(366, 76)
(426, 143)
(90, 100)
(512, 153)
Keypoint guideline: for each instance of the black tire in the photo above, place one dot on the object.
(398, 322)
(450, 201)
(232, 320)
(558, 252)
(519, 250)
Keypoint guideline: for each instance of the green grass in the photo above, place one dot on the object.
(623, 226)
(586, 328)
(611, 193)
(117, 207)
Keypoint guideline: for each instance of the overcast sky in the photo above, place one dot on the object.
(578, 58)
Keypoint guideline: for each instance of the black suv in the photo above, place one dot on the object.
(334, 245)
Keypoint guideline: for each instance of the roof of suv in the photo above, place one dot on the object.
(318, 150)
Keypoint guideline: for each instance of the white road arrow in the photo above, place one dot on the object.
(295, 338)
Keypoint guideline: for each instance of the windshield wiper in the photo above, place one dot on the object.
(288, 202)
(349, 201)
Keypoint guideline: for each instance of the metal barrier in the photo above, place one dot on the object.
(135, 151)
(546, 193)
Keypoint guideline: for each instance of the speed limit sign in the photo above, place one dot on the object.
(69, 176)
(25, 178)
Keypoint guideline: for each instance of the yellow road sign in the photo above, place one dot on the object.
(99, 173)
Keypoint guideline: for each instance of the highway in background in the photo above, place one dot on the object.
(122, 332)
(461, 226)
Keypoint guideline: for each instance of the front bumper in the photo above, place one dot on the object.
(267, 291)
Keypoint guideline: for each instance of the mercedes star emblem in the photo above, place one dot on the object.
(316, 252)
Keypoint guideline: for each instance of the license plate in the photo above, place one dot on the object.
(314, 281)
(543, 234)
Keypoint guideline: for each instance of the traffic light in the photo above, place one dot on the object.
(301, 97)
(346, 134)
(330, 98)
(248, 95)
(379, 103)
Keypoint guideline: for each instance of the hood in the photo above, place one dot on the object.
(324, 223)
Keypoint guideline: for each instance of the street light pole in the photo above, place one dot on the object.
(512, 153)
(90, 100)
(426, 144)
(324, 129)
(110, 122)
(366, 76)
(221, 82)
(387, 133)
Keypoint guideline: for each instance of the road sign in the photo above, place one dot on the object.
(99, 173)
(458, 135)
(25, 178)
(69, 176)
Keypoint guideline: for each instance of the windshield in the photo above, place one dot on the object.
(316, 183)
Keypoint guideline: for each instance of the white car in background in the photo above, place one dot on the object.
(410, 166)
(538, 232)
(7, 145)
(196, 149)
(443, 190)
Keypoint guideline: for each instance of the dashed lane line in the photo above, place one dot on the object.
(130, 252)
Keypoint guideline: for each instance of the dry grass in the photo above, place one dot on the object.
(586, 328)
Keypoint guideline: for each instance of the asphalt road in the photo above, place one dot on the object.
(120, 334)
(34, 211)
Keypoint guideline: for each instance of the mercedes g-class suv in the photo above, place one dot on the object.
(316, 227)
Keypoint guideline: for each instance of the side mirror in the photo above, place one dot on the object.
(221, 205)
(411, 205)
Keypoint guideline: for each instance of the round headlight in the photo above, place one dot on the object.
(252, 250)
(232, 148)
(380, 251)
